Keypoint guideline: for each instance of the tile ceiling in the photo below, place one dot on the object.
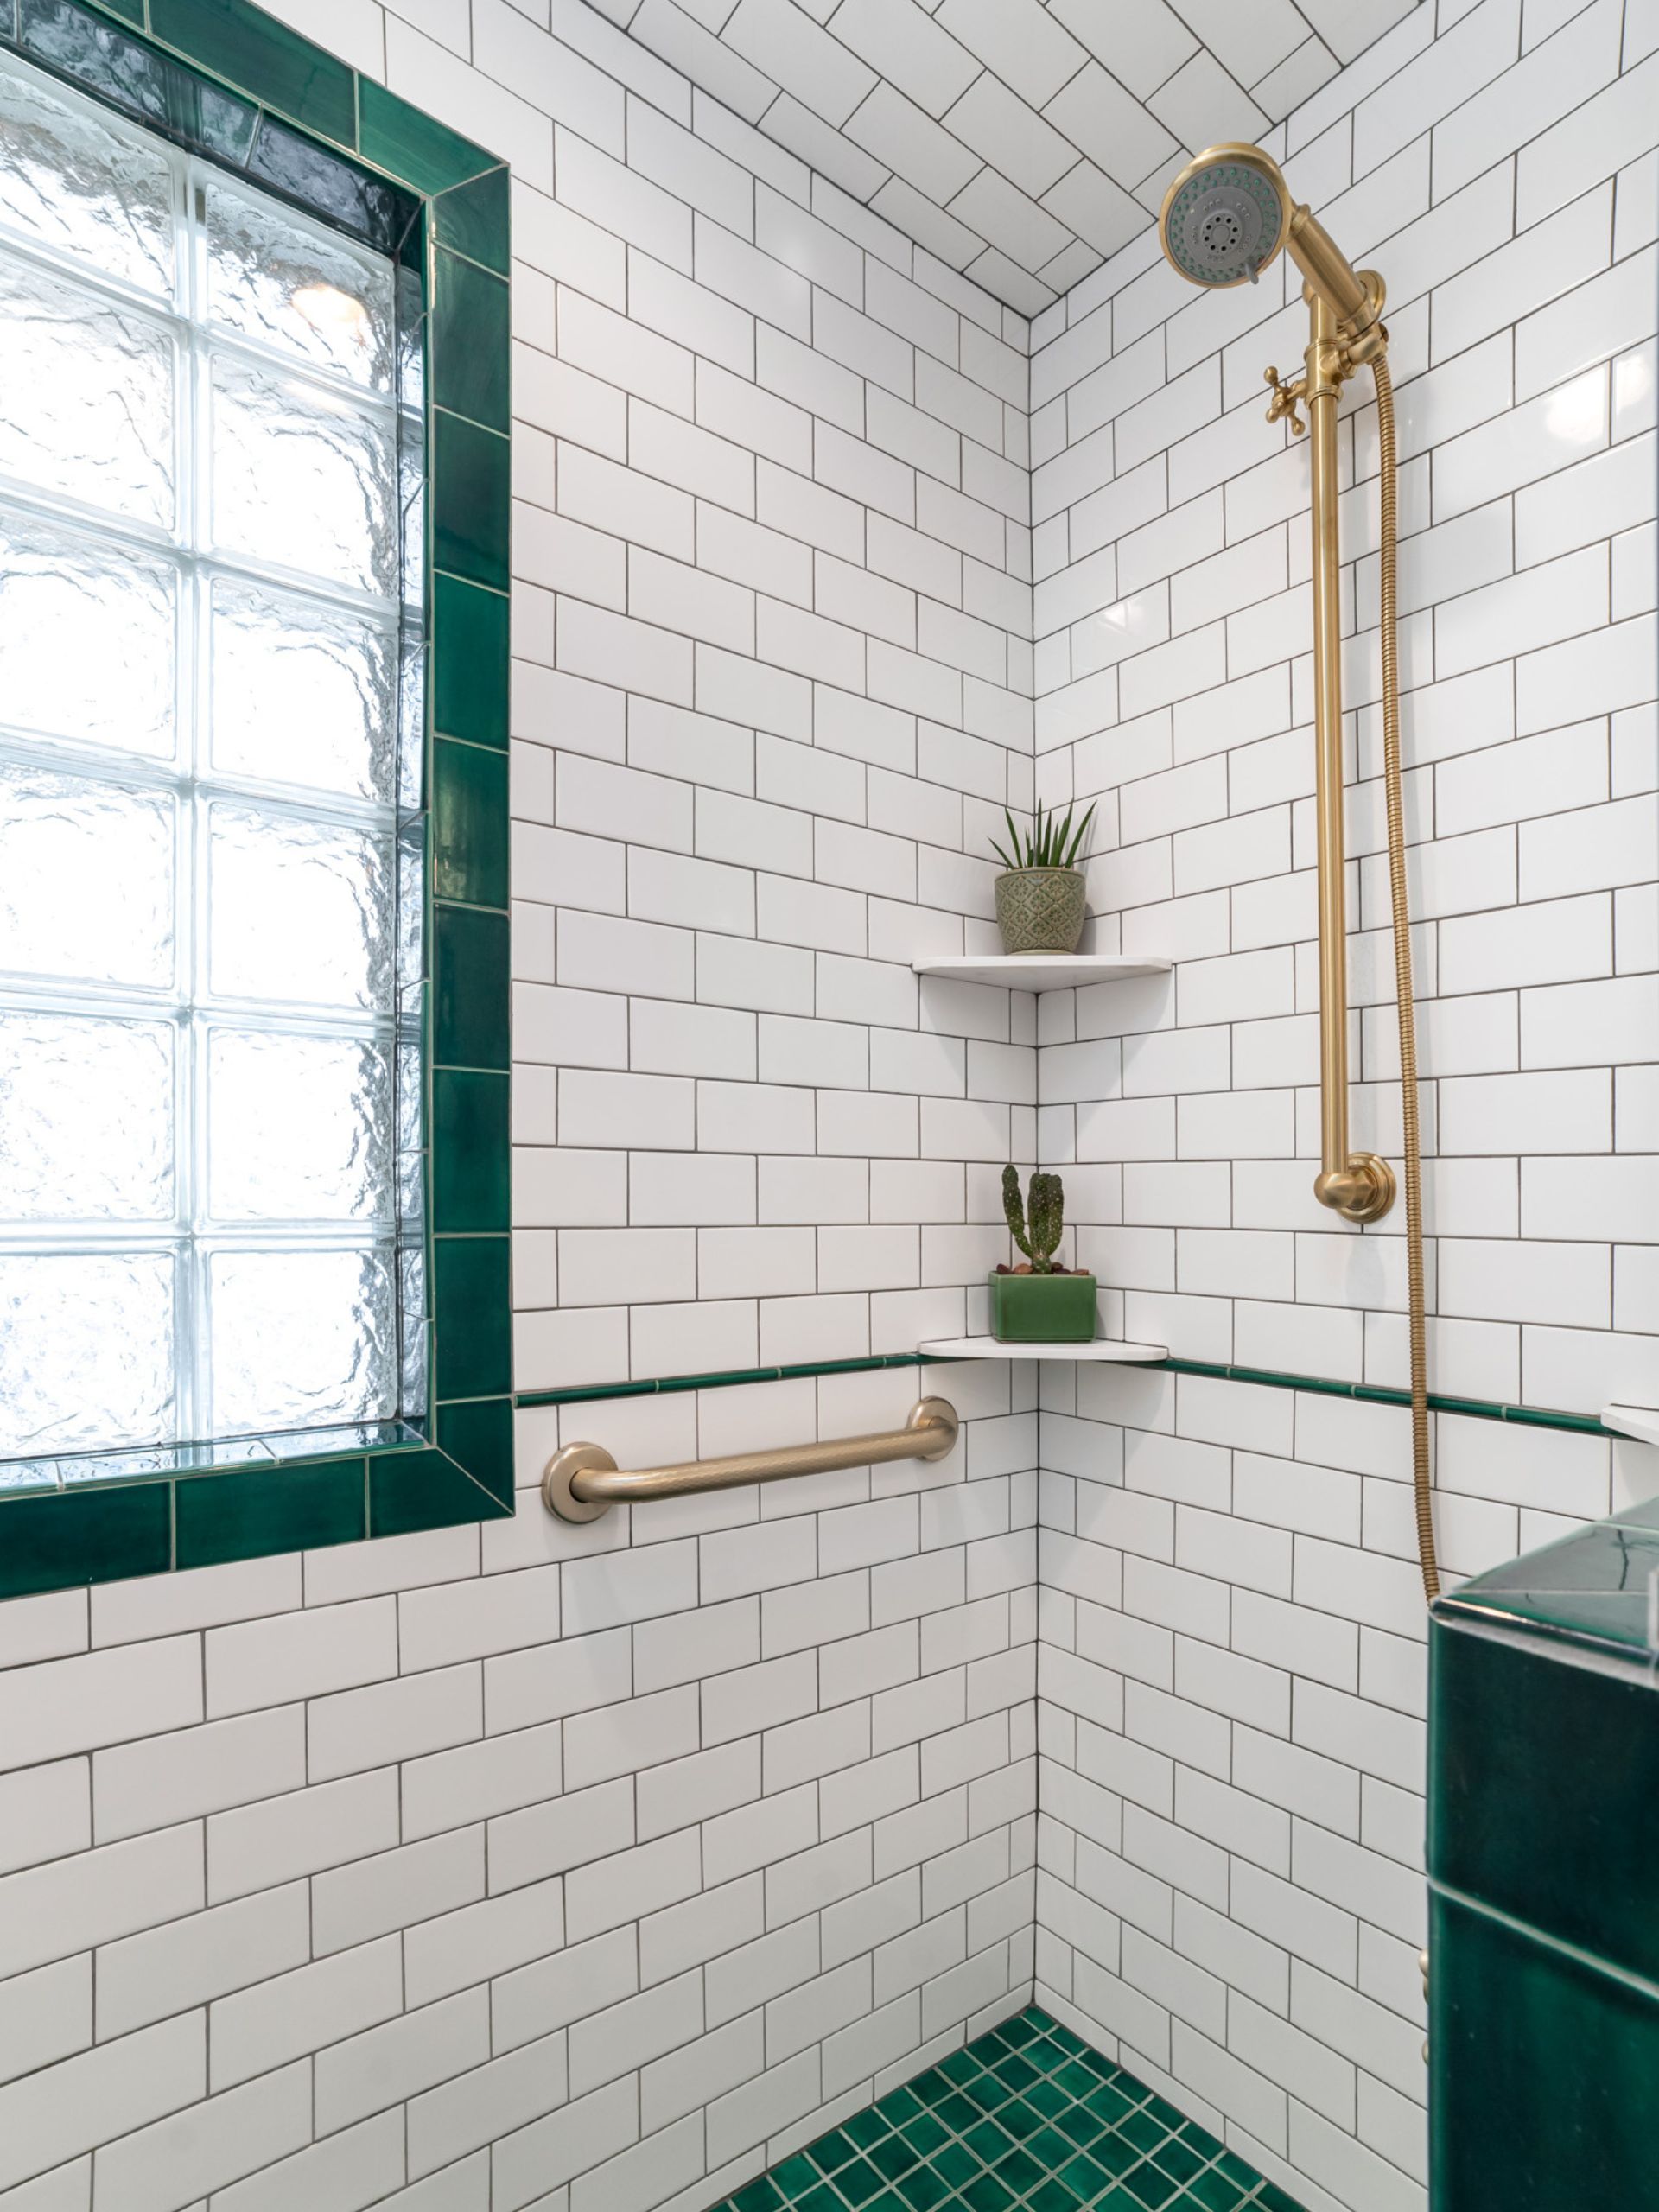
(1020, 141)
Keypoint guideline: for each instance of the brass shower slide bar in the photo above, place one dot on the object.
(583, 1480)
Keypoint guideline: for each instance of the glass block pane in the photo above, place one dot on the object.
(299, 1128)
(86, 396)
(85, 1119)
(302, 694)
(301, 478)
(86, 638)
(86, 1350)
(410, 341)
(412, 1329)
(412, 467)
(84, 184)
(273, 279)
(299, 911)
(85, 880)
(411, 717)
(299, 1339)
(411, 913)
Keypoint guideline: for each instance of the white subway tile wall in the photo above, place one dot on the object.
(589, 1869)
(1231, 1686)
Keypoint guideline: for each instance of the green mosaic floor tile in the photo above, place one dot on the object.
(1178, 2160)
(1212, 2190)
(1086, 2178)
(795, 2177)
(1142, 2130)
(1149, 2187)
(830, 2152)
(923, 2189)
(956, 2164)
(1026, 2119)
(892, 2157)
(865, 2127)
(988, 2141)
(1048, 2098)
(1079, 2126)
(1236, 2169)
(860, 2182)
(1050, 2148)
(1201, 2140)
(1115, 2154)
(756, 2196)
(987, 2194)
(1051, 2195)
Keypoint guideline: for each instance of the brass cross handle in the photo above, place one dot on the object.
(1284, 400)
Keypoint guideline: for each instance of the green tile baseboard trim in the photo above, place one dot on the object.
(1269, 1378)
(239, 88)
(1025, 2119)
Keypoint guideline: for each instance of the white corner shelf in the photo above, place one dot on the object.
(1041, 971)
(1101, 1348)
(1639, 1422)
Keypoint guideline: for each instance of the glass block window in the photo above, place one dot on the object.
(211, 859)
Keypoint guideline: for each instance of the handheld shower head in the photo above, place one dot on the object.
(1226, 215)
(1230, 212)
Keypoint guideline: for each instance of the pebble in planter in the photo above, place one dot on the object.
(1040, 893)
(1038, 1303)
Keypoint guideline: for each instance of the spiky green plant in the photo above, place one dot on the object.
(1036, 1224)
(1051, 841)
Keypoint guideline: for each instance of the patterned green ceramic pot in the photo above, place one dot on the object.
(1039, 909)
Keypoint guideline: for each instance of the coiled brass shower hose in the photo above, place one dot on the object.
(1394, 801)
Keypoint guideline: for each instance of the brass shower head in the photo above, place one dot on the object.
(1228, 214)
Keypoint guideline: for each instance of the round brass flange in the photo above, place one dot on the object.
(939, 1414)
(1363, 1191)
(558, 1495)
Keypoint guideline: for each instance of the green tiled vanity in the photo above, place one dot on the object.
(1544, 1879)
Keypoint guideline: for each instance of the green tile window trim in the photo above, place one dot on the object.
(1025, 2119)
(1269, 1378)
(232, 84)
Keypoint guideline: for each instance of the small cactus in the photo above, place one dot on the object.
(1035, 1224)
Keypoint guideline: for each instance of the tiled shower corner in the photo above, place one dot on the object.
(1026, 2119)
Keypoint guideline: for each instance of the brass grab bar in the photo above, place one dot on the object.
(583, 1480)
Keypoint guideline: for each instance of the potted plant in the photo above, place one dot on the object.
(1040, 893)
(1038, 1303)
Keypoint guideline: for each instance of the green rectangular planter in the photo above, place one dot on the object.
(1043, 1309)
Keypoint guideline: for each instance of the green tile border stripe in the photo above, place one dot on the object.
(1379, 1393)
(661, 1385)
(1376, 1394)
